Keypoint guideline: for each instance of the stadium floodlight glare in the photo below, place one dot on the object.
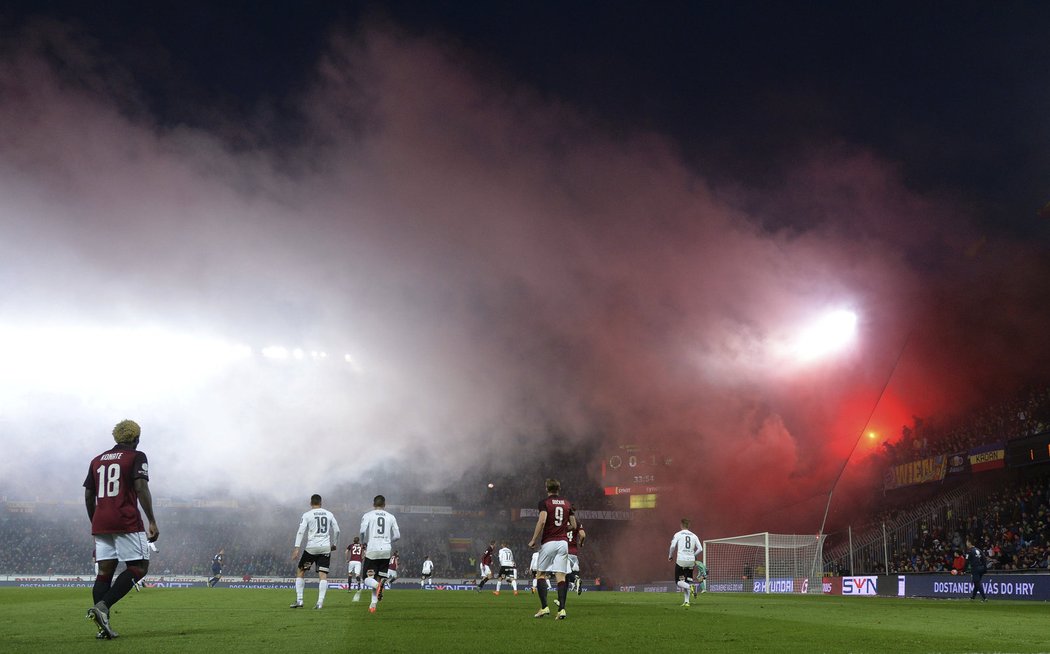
(275, 352)
(121, 361)
(356, 367)
(829, 333)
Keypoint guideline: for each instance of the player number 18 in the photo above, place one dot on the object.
(108, 480)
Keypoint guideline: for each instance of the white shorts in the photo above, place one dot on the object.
(486, 571)
(353, 569)
(574, 563)
(554, 557)
(122, 547)
(391, 575)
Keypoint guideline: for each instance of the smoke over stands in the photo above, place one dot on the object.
(452, 272)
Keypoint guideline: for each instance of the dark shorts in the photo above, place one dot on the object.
(506, 572)
(428, 575)
(378, 566)
(681, 573)
(323, 561)
(216, 569)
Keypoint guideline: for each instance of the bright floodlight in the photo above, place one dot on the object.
(95, 360)
(830, 333)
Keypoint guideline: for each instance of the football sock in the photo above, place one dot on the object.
(514, 584)
(374, 585)
(102, 584)
(685, 597)
(541, 590)
(322, 588)
(563, 593)
(481, 584)
(499, 584)
(123, 583)
(299, 584)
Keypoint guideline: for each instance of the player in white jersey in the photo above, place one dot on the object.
(379, 532)
(321, 531)
(532, 569)
(507, 569)
(685, 547)
(428, 571)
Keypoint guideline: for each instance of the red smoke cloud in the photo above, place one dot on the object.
(502, 265)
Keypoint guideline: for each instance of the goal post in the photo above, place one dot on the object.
(765, 563)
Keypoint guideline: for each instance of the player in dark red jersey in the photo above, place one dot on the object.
(354, 551)
(486, 566)
(117, 482)
(576, 537)
(391, 569)
(551, 534)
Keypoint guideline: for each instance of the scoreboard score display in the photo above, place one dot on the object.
(638, 472)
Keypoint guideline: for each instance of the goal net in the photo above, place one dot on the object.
(765, 563)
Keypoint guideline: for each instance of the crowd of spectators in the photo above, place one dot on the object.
(1024, 415)
(1013, 527)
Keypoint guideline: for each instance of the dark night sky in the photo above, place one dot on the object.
(527, 220)
(955, 93)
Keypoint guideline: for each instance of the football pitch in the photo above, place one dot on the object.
(203, 620)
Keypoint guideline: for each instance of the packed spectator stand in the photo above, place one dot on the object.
(923, 528)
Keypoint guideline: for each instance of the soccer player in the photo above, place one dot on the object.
(321, 531)
(576, 538)
(391, 571)
(216, 568)
(379, 531)
(428, 570)
(353, 566)
(486, 565)
(117, 483)
(687, 546)
(551, 534)
(507, 570)
(701, 577)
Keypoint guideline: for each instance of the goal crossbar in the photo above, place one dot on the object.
(765, 562)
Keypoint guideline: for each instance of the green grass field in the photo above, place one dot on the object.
(225, 620)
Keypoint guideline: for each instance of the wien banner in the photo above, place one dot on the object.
(916, 472)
